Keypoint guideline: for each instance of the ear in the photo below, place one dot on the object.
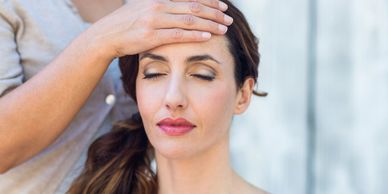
(244, 96)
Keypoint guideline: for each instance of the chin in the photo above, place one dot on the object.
(174, 151)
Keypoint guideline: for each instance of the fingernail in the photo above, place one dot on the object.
(228, 19)
(222, 28)
(206, 35)
(222, 6)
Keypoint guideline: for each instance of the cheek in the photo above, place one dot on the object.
(215, 107)
(148, 99)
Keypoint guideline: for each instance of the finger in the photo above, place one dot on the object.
(190, 22)
(216, 4)
(176, 35)
(199, 10)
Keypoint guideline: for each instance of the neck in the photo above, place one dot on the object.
(207, 173)
(92, 10)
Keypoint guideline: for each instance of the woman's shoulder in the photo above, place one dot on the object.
(244, 187)
(251, 189)
(255, 190)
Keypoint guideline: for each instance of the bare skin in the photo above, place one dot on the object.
(28, 121)
(183, 176)
(92, 10)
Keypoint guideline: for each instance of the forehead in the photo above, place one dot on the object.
(217, 46)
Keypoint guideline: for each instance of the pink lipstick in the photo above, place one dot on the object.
(175, 127)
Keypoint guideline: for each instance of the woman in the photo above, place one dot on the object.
(55, 93)
(187, 95)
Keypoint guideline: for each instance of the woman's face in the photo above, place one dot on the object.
(187, 96)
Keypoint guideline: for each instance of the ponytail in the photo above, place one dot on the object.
(118, 162)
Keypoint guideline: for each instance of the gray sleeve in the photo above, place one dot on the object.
(11, 71)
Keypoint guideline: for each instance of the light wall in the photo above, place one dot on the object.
(324, 126)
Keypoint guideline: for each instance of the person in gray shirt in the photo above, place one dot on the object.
(59, 85)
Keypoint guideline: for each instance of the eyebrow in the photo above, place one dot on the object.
(191, 59)
(153, 56)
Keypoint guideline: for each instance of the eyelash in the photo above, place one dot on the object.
(153, 75)
(203, 77)
(200, 76)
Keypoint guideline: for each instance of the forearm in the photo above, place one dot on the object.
(33, 115)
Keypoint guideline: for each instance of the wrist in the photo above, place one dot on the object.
(92, 45)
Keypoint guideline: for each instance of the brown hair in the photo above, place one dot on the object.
(119, 161)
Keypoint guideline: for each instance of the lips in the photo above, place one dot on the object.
(175, 127)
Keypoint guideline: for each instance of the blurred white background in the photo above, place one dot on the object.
(323, 129)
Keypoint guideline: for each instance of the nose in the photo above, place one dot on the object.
(175, 98)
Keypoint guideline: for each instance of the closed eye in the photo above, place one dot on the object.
(203, 77)
(153, 75)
